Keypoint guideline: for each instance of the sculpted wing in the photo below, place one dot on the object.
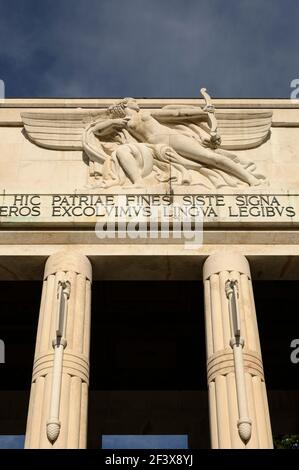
(59, 130)
(243, 129)
(239, 129)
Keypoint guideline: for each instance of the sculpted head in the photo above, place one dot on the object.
(119, 108)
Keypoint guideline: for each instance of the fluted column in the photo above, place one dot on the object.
(239, 415)
(57, 416)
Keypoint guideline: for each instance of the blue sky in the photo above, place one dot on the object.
(117, 442)
(12, 442)
(145, 442)
(148, 48)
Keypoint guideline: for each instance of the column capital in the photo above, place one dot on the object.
(68, 260)
(226, 261)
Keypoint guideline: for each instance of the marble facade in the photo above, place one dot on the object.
(49, 210)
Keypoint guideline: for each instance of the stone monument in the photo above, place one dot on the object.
(67, 164)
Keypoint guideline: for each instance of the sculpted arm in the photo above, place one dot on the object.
(175, 112)
(107, 126)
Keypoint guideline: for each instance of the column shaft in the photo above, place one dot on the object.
(61, 389)
(229, 393)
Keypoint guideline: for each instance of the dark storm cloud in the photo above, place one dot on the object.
(151, 48)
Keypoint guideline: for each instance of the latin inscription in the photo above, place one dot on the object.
(214, 207)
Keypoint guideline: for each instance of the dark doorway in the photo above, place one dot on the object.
(19, 309)
(148, 372)
(277, 306)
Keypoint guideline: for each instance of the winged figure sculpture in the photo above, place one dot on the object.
(126, 144)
